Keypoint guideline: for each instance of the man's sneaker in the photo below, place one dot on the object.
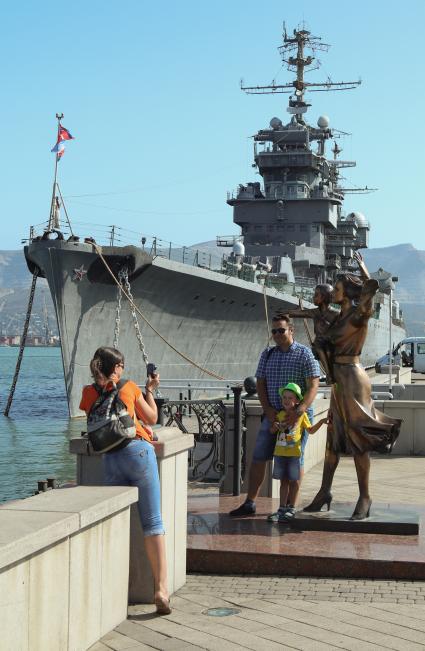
(276, 517)
(247, 508)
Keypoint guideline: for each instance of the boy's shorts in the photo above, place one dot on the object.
(286, 468)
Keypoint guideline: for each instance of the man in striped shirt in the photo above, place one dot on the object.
(286, 362)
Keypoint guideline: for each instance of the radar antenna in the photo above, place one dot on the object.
(293, 55)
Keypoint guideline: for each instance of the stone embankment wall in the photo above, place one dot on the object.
(64, 562)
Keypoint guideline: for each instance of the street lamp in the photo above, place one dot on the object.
(394, 279)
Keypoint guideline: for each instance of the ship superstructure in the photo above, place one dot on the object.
(297, 212)
(294, 234)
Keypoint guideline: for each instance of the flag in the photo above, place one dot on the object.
(64, 134)
(59, 148)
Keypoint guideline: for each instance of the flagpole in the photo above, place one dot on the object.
(59, 117)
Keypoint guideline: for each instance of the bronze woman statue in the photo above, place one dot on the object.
(356, 426)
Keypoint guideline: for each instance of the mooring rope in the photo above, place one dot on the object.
(146, 320)
(23, 341)
(266, 310)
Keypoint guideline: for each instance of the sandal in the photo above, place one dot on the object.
(162, 606)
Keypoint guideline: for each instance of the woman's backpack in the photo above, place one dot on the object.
(108, 422)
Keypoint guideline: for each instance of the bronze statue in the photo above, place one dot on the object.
(323, 316)
(356, 427)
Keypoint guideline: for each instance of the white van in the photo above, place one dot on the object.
(409, 352)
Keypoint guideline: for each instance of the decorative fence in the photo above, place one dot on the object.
(210, 421)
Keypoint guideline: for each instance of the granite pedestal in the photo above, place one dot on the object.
(384, 518)
(252, 545)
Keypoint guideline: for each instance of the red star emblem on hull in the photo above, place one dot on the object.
(79, 273)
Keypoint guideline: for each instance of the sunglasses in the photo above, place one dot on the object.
(279, 331)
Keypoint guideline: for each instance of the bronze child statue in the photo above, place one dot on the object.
(323, 317)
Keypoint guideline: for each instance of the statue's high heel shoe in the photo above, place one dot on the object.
(362, 510)
(318, 503)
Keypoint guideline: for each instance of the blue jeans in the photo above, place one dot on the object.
(265, 443)
(135, 465)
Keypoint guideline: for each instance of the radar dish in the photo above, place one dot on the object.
(323, 122)
(359, 219)
(275, 123)
(238, 249)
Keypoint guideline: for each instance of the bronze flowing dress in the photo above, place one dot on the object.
(356, 426)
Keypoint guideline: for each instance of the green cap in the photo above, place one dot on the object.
(291, 386)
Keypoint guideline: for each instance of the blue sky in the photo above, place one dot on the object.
(162, 130)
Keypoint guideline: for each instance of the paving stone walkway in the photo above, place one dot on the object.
(282, 613)
(309, 614)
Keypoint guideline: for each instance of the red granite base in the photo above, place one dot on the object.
(251, 545)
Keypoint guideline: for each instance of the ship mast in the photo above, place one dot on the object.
(55, 204)
(293, 55)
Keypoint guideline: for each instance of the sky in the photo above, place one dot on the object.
(151, 94)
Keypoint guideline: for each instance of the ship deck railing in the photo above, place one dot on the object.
(113, 235)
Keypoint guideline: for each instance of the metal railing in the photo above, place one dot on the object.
(206, 420)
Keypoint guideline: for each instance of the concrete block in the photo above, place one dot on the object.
(92, 504)
(25, 532)
(14, 607)
(171, 441)
(171, 452)
(85, 587)
(115, 567)
(48, 599)
(419, 430)
(180, 522)
(141, 586)
(401, 409)
(167, 475)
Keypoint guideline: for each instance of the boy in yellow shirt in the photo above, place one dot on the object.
(287, 453)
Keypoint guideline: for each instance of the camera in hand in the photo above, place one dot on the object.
(150, 369)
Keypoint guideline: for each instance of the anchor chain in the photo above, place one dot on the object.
(118, 310)
(23, 341)
(135, 319)
(124, 282)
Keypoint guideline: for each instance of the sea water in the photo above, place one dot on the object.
(34, 439)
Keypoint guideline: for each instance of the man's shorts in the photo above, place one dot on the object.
(286, 468)
(265, 443)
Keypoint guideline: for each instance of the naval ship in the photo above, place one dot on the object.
(196, 315)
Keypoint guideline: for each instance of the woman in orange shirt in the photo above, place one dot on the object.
(133, 462)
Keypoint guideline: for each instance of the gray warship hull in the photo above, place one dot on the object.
(215, 320)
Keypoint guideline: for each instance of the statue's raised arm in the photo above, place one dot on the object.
(357, 256)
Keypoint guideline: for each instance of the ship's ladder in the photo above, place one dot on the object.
(23, 341)
(123, 288)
